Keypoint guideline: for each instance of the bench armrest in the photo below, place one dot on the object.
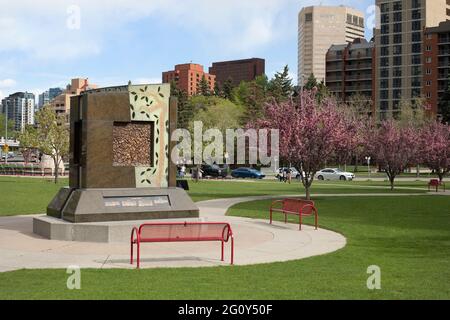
(275, 202)
(135, 235)
(313, 208)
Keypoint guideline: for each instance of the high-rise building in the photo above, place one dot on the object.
(399, 44)
(19, 107)
(436, 71)
(61, 103)
(188, 77)
(238, 70)
(48, 96)
(319, 27)
(350, 70)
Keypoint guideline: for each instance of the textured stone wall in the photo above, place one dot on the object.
(133, 144)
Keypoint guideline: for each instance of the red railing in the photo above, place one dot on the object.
(181, 232)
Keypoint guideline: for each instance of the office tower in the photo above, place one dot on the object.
(319, 27)
(188, 77)
(400, 51)
(237, 70)
(19, 107)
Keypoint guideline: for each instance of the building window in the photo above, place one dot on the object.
(384, 51)
(415, 59)
(397, 6)
(397, 38)
(384, 7)
(428, 71)
(308, 17)
(428, 83)
(397, 27)
(397, 16)
(416, 37)
(428, 60)
(416, 25)
(416, 48)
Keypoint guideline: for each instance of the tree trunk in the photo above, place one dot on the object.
(308, 193)
(418, 171)
(56, 162)
(197, 174)
(440, 174)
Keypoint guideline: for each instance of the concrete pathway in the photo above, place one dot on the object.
(256, 241)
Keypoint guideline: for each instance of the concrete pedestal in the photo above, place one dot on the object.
(99, 205)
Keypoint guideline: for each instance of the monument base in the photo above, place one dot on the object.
(101, 205)
(96, 232)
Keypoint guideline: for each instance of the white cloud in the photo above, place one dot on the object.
(39, 28)
(7, 83)
(1, 96)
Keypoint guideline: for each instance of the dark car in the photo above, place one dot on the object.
(247, 173)
(214, 171)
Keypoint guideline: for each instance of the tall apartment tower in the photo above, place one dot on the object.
(19, 107)
(320, 27)
(399, 49)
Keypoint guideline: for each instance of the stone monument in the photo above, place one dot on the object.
(120, 166)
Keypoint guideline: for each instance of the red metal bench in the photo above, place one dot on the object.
(181, 232)
(296, 207)
(435, 183)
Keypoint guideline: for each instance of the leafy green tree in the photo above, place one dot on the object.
(444, 105)
(311, 83)
(227, 90)
(204, 87)
(217, 91)
(11, 132)
(51, 136)
(280, 86)
(185, 112)
(214, 113)
(28, 142)
(253, 96)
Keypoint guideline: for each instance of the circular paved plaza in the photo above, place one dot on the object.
(256, 241)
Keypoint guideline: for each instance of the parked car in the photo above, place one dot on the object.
(247, 173)
(334, 174)
(294, 172)
(214, 171)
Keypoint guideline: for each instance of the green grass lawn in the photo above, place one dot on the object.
(31, 196)
(407, 237)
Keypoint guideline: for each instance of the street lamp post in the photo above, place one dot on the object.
(6, 130)
(368, 165)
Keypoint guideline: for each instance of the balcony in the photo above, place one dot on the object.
(358, 88)
(360, 66)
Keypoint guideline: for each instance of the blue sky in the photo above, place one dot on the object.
(42, 44)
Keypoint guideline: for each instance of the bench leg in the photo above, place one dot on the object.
(232, 250)
(317, 221)
(138, 255)
(300, 222)
(270, 215)
(222, 252)
(285, 218)
(131, 253)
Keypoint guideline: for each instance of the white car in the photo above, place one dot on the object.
(334, 174)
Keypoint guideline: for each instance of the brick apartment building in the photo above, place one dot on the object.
(238, 70)
(436, 69)
(188, 77)
(61, 103)
(350, 70)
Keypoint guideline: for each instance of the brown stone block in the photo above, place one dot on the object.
(112, 106)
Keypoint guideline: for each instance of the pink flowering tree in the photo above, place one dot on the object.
(435, 148)
(394, 147)
(311, 133)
